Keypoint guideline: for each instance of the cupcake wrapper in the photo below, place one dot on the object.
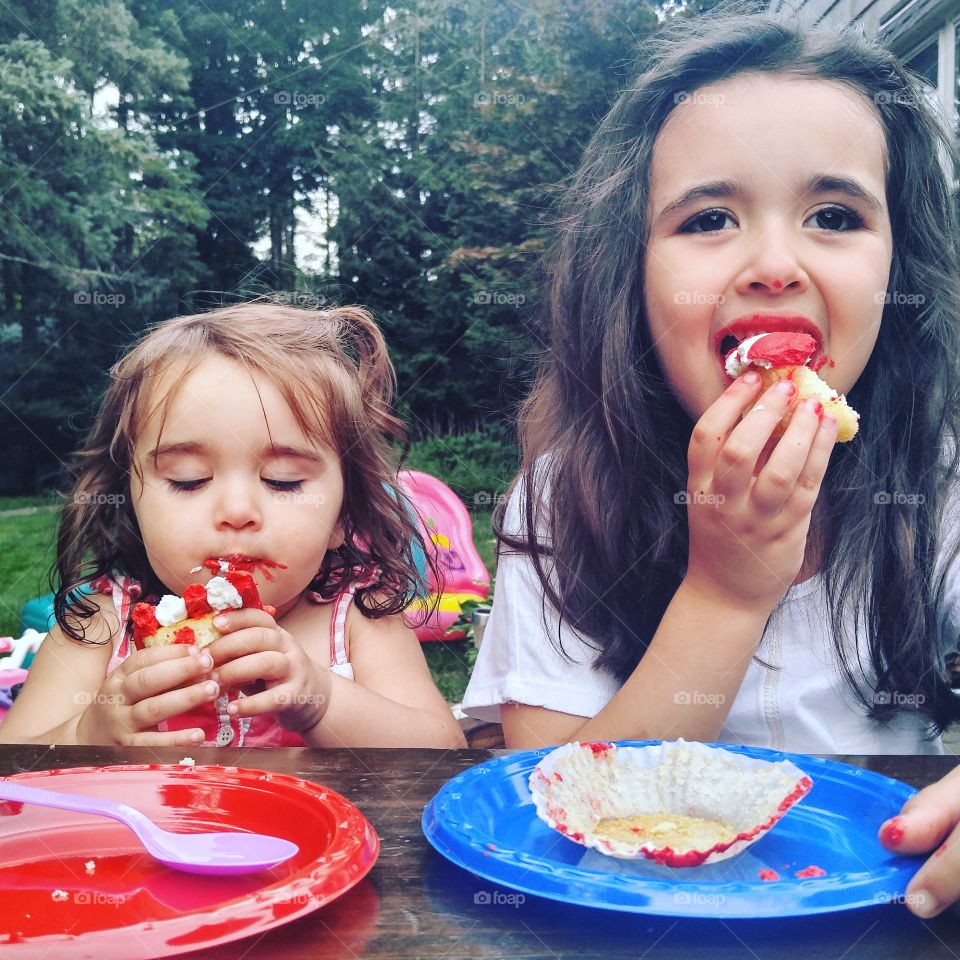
(577, 785)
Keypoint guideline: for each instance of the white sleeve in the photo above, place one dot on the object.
(949, 613)
(519, 660)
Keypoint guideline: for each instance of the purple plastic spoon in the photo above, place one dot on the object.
(214, 853)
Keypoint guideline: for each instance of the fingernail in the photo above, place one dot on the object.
(219, 622)
(891, 831)
(787, 388)
(211, 689)
(206, 661)
(232, 709)
(814, 406)
(751, 378)
(923, 903)
(197, 736)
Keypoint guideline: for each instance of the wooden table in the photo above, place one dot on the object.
(415, 904)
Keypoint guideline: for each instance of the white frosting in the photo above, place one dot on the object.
(171, 610)
(737, 362)
(221, 593)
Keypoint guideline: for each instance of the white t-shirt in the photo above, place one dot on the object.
(805, 706)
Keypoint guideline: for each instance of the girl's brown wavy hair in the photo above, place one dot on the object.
(331, 367)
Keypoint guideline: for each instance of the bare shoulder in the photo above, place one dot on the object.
(364, 631)
(63, 676)
(98, 629)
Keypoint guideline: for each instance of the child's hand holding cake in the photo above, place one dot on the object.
(253, 649)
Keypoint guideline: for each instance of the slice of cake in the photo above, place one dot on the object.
(189, 619)
(784, 356)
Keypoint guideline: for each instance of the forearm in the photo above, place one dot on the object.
(687, 680)
(64, 733)
(358, 717)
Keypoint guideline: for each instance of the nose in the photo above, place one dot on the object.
(772, 264)
(236, 506)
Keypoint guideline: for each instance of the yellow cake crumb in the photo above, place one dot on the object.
(678, 832)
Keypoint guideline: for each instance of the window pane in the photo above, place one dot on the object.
(925, 63)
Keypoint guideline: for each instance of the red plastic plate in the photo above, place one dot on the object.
(74, 885)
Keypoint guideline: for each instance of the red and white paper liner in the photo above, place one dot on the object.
(577, 785)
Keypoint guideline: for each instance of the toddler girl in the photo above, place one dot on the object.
(257, 433)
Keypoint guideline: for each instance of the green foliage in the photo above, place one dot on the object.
(478, 466)
(148, 148)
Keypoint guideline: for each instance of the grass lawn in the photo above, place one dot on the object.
(26, 553)
(27, 550)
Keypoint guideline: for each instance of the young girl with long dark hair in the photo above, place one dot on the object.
(668, 567)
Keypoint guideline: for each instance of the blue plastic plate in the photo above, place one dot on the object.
(484, 820)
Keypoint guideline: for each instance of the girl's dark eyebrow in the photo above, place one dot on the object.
(195, 447)
(819, 183)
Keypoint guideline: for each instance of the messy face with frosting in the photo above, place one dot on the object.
(224, 470)
(767, 213)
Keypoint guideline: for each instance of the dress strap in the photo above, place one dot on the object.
(339, 654)
(125, 592)
(338, 619)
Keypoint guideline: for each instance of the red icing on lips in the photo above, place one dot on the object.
(248, 564)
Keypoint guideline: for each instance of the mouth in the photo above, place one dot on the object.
(730, 337)
(242, 561)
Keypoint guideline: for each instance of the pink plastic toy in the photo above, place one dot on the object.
(448, 533)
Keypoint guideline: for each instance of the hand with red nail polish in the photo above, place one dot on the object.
(750, 496)
(930, 823)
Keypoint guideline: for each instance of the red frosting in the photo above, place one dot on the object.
(767, 875)
(811, 871)
(783, 349)
(195, 598)
(144, 618)
(144, 615)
